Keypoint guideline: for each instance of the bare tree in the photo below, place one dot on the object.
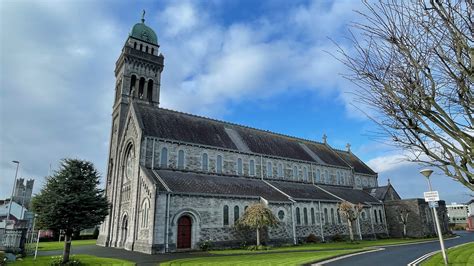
(404, 220)
(350, 212)
(413, 63)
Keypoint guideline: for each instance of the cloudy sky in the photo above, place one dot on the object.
(265, 64)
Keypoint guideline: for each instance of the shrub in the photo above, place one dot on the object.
(337, 238)
(205, 245)
(260, 247)
(312, 238)
(243, 245)
(2, 257)
(57, 261)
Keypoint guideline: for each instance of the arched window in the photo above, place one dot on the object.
(380, 216)
(318, 176)
(269, 169)
(362, 215)
(326, 177)
(133, 80)
(219, 164)
(305, 216)
(295, 173)
(313, 217)
(338, 217)
(129, 162)
(252, 167)
(180, 159)
(146, 49)
(239, 167)
(141, 47)
(145, 213)
(226, 215)
(149, 90)
(280, 170)
(236, 213)
(333, 219)
(141, 86)
(205, 162)
(305, 174)
(375, 215)
(164, 157)
(298, 218)
(152, 50)
(135, 45)
(326, 218)
(245, 208)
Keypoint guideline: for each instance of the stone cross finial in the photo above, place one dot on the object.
(388, 181)
(325, 139)
(143, 16)
(348, 147)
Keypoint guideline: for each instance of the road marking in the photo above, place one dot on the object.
(346, 256)
(427, 255)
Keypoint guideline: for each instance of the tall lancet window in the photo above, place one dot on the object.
(180, 159)
(205, 162)
(219, 164)
(252, 168)
(164, 157)
(239, 167)
(129, 162)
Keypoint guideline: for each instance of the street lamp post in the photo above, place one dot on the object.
(13, 191)
(427, 173)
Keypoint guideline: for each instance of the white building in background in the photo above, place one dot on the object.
(17, 211)
(457, 213)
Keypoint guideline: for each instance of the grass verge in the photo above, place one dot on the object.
(290, 258)
(462, 255)
(324, 246)
(54, 245)
(84, 259)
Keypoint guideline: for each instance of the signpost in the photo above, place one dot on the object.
(431, 196)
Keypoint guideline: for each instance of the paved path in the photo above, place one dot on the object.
(401, 255)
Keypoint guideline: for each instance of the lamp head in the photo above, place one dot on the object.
(426, 172)
(15, 162)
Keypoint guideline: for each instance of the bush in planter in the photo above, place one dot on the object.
(205, 245)
(312, 238)
(58, 261)
(337, 238)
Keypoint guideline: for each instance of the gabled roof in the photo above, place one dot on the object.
(351, 195)
(355, 162)
(302, 191)
(172, 125)
(377, 192)
(207, 184)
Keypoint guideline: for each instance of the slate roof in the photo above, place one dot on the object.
(355, 162)
(377, 192)
(352, 195)
(200, 183)
(168, 124)
(302, 191)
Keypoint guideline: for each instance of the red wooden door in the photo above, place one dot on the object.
(184, 232)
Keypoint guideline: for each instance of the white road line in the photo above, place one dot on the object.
(427, 255)
(346, 256)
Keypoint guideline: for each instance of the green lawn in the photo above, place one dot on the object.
(84, 259)
(463, 255)
(55, 245)
(325, 246)
(292, 258)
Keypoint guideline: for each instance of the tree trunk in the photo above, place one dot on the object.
(351, 234)
(258, 237)
(404, 230)
(67, 246)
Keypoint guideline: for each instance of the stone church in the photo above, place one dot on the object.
(176, 179)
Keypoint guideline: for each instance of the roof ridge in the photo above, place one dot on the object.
(240, 125)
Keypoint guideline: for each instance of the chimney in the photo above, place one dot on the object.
(325, 139)
(348, 147)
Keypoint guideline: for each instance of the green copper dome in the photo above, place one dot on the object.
(144, 33)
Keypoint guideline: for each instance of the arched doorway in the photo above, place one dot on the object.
(124, 230)
(184, 232)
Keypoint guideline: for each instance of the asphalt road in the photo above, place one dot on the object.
(402, 255)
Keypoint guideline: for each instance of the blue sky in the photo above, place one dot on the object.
(265, 64)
